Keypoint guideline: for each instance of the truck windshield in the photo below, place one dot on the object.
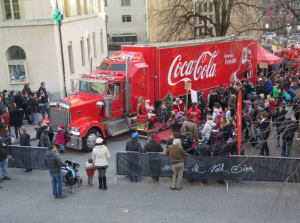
(104, 66)
(117, 67)
(92, 87)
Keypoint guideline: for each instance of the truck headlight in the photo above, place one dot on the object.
(75, 129)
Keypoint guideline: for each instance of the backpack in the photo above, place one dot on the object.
(187, 140)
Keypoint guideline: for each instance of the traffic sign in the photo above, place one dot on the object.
(57, 17)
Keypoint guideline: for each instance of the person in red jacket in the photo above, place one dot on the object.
(194, 111)
(61, 139)
(156, 136)
(178, 105)
(90, 171)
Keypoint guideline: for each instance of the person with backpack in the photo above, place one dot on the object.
(202, 150)
(192, 126)
(230, 112)
(288, 129)
(208, 126)
(187, 139)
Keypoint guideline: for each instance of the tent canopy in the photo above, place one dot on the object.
(263, 56)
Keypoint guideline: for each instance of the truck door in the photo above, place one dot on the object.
(144, 83)
(116, 91)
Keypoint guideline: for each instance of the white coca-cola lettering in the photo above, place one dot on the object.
(198, 68)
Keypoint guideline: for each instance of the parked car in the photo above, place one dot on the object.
(269, 35)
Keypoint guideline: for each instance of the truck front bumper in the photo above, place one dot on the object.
(75, 143)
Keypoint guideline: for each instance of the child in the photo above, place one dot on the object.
(156, 137)
(25, 141)
(218, 118)
(60, 139)
(6, 118)
(90, 171)
(164, 114)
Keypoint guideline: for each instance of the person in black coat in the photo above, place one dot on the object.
(154, 160)
(2, 107)
(279, 117)
(26, 88)
(26, 103)
(264, 129)
(213, 98)
(19, 103)
(43, 102)
(203, 151)
(43, 92)
(25, 141)
(15, 118)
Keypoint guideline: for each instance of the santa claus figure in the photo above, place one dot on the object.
(245, 67)
(178, 106)
(148, 110)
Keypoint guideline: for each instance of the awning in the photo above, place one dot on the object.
(263, 56)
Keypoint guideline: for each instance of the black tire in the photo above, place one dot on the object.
(88, 141)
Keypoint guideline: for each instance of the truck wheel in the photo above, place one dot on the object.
(89, 140)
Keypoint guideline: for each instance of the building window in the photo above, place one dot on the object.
(88, 43)
(205, 7)
(101, 40)
(71, 62)
(125, 3)
(105, 3)
(126, 18)
(210, 7)
(11, 9)
(16, 62)
(79, 7)
(94, 44)
(66, 8)
(82, 51)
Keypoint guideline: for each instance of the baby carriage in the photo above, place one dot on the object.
(70, 177)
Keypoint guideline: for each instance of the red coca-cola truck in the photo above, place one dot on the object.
(108, 100)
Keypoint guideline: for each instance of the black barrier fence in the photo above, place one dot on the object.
(27, 157)
(211, 168)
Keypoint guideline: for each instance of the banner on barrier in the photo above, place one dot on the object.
(27, 157)
(229, 168)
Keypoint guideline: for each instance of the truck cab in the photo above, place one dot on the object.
(105, 104)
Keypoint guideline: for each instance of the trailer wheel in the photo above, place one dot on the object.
(89, 140)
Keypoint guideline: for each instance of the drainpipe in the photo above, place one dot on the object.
(127, 87)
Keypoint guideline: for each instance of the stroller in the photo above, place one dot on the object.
(70, 177)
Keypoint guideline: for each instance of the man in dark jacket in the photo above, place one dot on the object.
(288, 129)
(25, 141)
(202, 150)
(3, 163)
(54, 163)
(2, 106)
(34, 109)
(264, 129)
(213, 98)
(221, 90)
(201, 104)
(279, 117)
(154, 159)
(43, 97)
(133, 145)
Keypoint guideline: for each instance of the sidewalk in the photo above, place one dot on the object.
(30, 130)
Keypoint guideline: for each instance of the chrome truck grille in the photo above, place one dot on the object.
(59, 117)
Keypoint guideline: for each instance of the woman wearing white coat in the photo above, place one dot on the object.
(100, 159)
(209, 124)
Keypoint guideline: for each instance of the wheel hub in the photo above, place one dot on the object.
(91, 140)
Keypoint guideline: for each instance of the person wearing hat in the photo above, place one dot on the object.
(133, 145)
(60, 139)
(100, 157)
(276, 91)
(178, 105)
(54, 164)
(195, 112)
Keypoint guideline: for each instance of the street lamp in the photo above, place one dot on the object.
(267, 26)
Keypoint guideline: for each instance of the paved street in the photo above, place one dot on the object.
(28, 198)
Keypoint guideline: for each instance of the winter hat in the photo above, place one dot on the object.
(164, 105)
(61, 127)
(276, 85)
(179, 114)
(292, 84)
(99, 140)
(220, 112)
(177, 98)
(229, 140)
(135, 135)
(260, 79)
(200, 139)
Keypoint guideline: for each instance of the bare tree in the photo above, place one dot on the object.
(185, 19)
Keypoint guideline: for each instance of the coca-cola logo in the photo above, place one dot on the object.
(194, 69)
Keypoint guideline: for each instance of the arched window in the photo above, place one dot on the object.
(16, 61)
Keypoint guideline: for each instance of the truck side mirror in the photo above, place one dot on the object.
(116, 91)
(100, 106)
